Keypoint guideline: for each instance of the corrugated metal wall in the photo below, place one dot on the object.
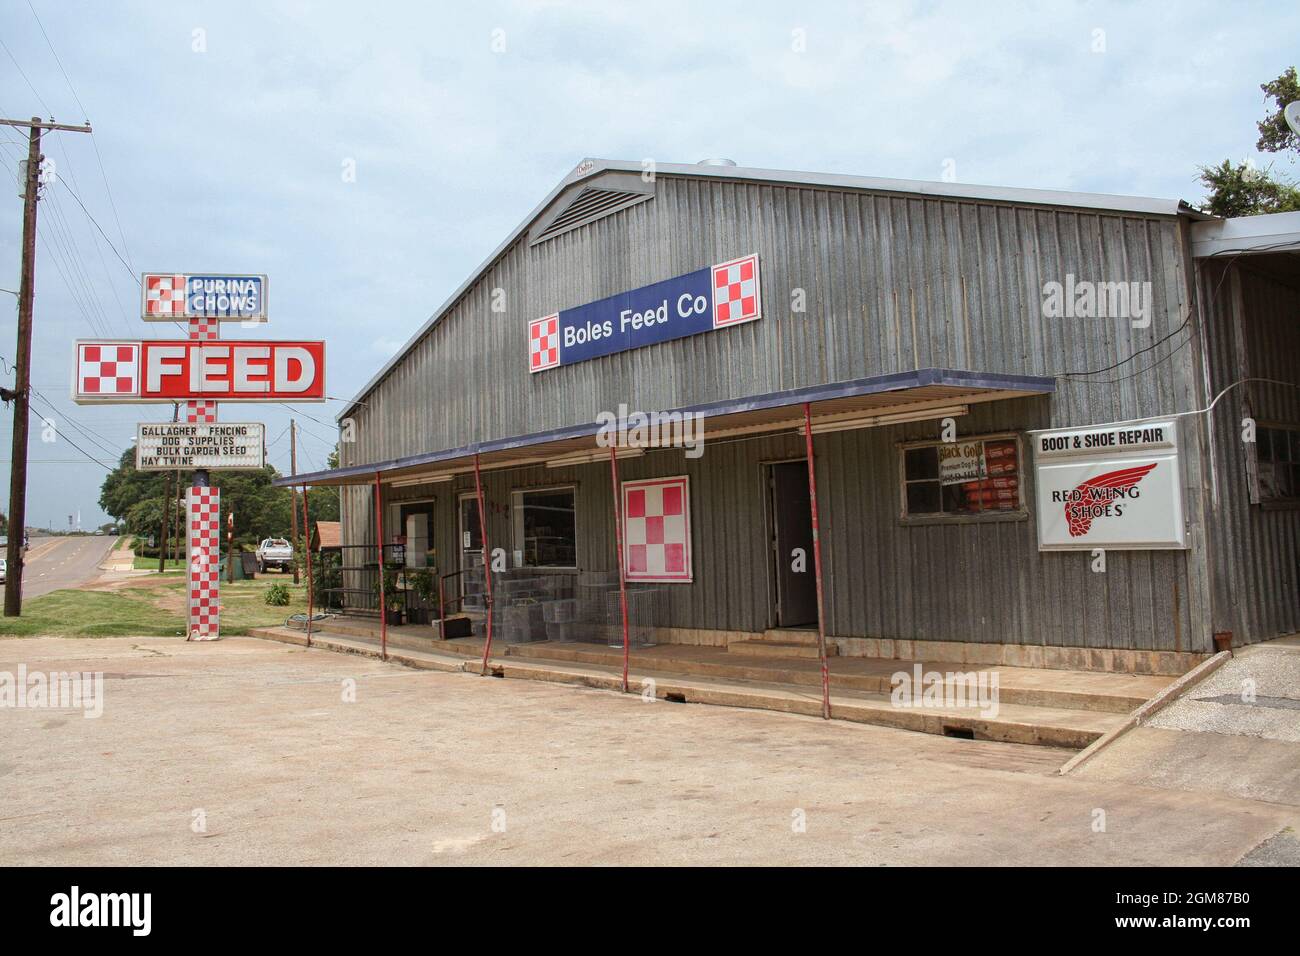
(891, 283)
(1254, 332)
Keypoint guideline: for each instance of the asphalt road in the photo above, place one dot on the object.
(54, 563)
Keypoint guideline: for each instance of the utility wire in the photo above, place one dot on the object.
(75, 445)
(44, 105)
(77, 425)
(93, 142)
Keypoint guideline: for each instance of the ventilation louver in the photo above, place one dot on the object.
(590, 204)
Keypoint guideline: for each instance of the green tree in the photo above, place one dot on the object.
(1241, 189)
(135, 499)
(1274, 135)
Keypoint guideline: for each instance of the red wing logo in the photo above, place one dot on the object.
(1093, 498)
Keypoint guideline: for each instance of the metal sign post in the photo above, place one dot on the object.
(204, 511)
(199, 371)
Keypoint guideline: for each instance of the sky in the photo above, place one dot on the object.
(367, 157)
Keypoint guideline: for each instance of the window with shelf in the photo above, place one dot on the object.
(545, 526)
(961, 478)
(1277, 451)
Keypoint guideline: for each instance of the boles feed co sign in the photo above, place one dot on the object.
(708, 299)
(1112, 487)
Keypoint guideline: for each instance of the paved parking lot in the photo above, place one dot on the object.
(251, 752)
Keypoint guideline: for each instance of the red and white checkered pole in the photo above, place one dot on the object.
(204, 507)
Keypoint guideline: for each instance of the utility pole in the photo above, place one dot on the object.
(23, 360)
(293, 493)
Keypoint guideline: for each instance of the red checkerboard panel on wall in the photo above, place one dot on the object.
(736, 292)
(544, 343)
(203, 553)
(657, 529)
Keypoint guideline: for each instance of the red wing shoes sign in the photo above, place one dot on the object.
(1111, 487)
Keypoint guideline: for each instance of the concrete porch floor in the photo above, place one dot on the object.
(1034, 705)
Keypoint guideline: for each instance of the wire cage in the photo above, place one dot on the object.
(562, 607)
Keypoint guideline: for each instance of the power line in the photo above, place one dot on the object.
(119, 255)
(76, 262)
(82, 450)
(45, 106)
(75, 424)
(93, 142)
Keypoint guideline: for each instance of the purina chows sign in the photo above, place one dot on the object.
(715, 297)
(167, 296)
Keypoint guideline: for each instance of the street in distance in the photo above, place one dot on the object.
(165, 446)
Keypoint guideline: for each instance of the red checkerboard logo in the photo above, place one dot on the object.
(657, 530)
(200, 412)
(736, 294)
(164, 295)
(204, 506)
(108, 368)
(544, 343)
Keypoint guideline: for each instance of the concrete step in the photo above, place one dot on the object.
(788, 635)
(773, 648)
(1035, 687)
(1012, 723)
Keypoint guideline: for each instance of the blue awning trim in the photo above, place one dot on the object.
(894, 382)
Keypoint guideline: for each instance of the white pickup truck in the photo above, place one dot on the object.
(274, 553)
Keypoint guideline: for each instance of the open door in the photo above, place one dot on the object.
(792, 544)
(471, 538)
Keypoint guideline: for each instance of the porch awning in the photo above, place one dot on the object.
(902, 394)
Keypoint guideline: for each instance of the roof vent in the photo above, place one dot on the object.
(716, 162)
(593, 202)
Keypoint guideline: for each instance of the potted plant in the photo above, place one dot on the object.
(393, 603)
(424, 583)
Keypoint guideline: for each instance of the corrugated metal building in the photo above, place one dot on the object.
(884, 307)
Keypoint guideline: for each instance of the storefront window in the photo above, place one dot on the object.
(969, 476)
(545, 528)
(1278, 455)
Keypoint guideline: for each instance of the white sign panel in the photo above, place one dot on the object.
(165, 446)
(961, 461)
(1111, 487)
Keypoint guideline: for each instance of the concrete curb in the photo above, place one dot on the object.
(1149, 709)
(791, 699)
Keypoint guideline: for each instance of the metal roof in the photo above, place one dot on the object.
(1274, 232)
(590, 168)
(899, 392)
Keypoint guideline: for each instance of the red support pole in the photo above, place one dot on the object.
(618, 544)
(383, 598)
(487, 562)
(817, 561)
(307, 553)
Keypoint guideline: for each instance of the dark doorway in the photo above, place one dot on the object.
(792, 544)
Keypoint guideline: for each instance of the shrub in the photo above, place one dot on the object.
(277, 595)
